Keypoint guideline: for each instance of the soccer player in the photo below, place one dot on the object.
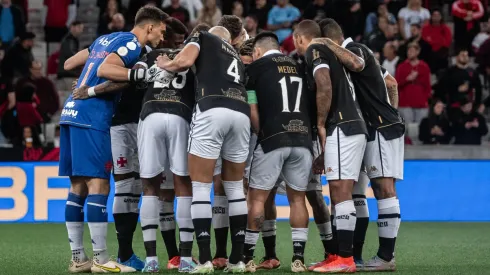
(384, 153)
(284, 143)
(221, 123)
(339, 118)
(85, 144)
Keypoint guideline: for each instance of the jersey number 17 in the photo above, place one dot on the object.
(285, 94)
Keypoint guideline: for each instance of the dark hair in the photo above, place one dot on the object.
(331, 29)
(308, 28)
(246, 49)
(418, 26)
(233, 24)
(27, 36)
(264, 35)
(459, 50)
(174, 26)
(254, 17)
(150, 14)
(26, 92)
(76, 23)
(199, 28)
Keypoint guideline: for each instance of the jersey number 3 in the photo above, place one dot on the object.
(284, 90)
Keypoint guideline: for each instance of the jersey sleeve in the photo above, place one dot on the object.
(252, 97)
(128, 50)
(196, 39)
(384, 72)
(355, 49)
(251, 76)
(316, 58)
(91, 46)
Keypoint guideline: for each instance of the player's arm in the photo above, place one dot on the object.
(183, 61)
(113, 68)
(353, 62)
(77, 60)
(392, 88)
(323, 94)
(254, 111)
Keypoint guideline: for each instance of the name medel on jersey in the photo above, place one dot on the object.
(344, 109)
(282, 98)
(176, 97)
(220, 74)
(373, 95)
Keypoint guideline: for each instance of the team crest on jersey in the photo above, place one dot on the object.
(296, 126)
(122, 162)
(234, 93)
(167, 95)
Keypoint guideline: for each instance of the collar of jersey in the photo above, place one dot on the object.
(347, 41)
(271, 52)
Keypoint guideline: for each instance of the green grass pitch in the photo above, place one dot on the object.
(422, 248)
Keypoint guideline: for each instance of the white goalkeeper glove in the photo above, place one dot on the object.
(153, 74)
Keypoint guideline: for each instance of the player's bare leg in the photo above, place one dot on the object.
(167, 220)
(298, 219)
(125, 210)
(232, 176)
(388, 224)
(183, 191)
(149, 217)
(268, 230)
(256, 199)
(74, 225)
(362, 217)
(201, 173)
(221, 223)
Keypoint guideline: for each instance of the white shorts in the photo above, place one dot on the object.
(343, 155)
(251, 147)
(162, 141)
(124, 148)
(384, 158)
(291, 164)
(220, 131)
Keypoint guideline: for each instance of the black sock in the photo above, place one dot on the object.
(125, 226)
(334, 244)
(385, 250)
(299, 235)
(251, 238)
(202, 218)
(186, 249)
(237, 230)
(359, 236)
(221, 235)
(170, 243)
(269, 246)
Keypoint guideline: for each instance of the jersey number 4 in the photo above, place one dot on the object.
(233, 70)
(284, 90)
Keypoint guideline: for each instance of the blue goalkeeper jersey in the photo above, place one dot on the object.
(96, 112)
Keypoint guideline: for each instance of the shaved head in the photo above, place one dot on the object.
(221, 32)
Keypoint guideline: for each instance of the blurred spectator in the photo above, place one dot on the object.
(176, 10)
(413, 77)
(390, 58)
(372, 18)
(210, 13)
(468, 126)
(317, 10)
(192, 6)
(70, 45)
(135, 5)
(111, 8)
(281, 18)
(482, 36)
(12, 23)
(435, 129)
(251, 25)
(7, 109)
(416, 37)
(466, 14)
(237, 9)
(349, 15)
(288, 46)
(413, 13)
(102, 4)
(261, 10)
(459, 84)
(27, 103)
(483, 58)
(49, 101)
(394, 6)
(381, 34)
(439, 36)
(18, 59)
(57, 16)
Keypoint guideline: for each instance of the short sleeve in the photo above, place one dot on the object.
(316, 59)
(252, 97)
(402, 14)
(128, 50)
(355, 50)
(384, 72)
(195, 39)
(91, 46)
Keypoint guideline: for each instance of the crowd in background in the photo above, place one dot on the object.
(438, 50)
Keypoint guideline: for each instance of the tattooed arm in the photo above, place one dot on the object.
(392, 88)
(349, 59)
(323, 101)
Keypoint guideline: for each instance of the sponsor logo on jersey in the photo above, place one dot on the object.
(234, 94)
(68, 111)
(167, 95)
(296, 126)
(105, 42)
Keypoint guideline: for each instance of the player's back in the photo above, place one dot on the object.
(344, 110)
(282, 98)
(176, 97)
(220, 74)
(372, 92)
(97, 112)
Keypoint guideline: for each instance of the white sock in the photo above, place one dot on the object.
(98, 232)
(149, 224)
(325, 230)
(75, 234)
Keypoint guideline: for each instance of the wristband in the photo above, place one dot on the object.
(91, 92)
(136, 75)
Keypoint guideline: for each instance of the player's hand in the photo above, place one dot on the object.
(163, 61)
(318, 165)
(81, 93)
(74, 84)
(322, 136)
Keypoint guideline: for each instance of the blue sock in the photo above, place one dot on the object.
(97, 223)
(74, 226)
